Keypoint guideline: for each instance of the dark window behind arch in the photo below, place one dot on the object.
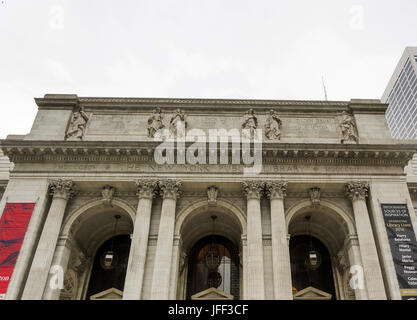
(303, 277)
(229, 268)
(102, 279)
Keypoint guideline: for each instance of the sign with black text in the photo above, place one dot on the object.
(403, 246)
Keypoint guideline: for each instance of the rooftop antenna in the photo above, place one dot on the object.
(324, 88)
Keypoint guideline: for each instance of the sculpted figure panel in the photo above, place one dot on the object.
(273, 126)
(347, 124)
(250, 122)
(155, 123)
(77, 125)
(178, 124)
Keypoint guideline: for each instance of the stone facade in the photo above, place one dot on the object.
(87, 159)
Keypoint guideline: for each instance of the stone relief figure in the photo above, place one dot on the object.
(250, 122)
(272, 126)
(178, 124)
(155, 123)
(78, 124)
(347, 124)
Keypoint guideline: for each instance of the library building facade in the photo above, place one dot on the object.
(200, 199)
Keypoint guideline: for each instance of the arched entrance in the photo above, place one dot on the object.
(306, 273)
(90, 231)
(200, 277)
(113, 276)
(323, 229)
(194, 226)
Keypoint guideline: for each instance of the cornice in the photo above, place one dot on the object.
(142, 152)
(70, 101)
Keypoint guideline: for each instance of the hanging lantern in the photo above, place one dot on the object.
(108, 259)
(313, 260)
(212, 259)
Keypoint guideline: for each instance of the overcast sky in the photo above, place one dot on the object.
(197, 49)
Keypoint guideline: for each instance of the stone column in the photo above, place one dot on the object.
(139, 245)
(254, 282)
(280, 249)
(61, 259)
(354, 253)
(61, 190)
(357, 192)
(164, 246)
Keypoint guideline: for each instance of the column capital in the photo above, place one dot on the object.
(357, 190)
(61, 188)
(170, 189)
(276, 189)
(147, 189)
(253, 189)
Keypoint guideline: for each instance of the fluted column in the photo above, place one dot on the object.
(162, 268)
(358, 191)
(255, 286)
(280, 249)
(139, 246)
(61, 191)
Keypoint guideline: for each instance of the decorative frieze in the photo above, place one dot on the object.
(62, 188)
(253, 189)
(276, 189)
(169, 188)
(146, 188)
(357, 190)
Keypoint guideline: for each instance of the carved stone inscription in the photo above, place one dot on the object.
(309, 128)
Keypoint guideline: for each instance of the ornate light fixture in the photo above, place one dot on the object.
(108, 259)
(313, 259)
(212, 261)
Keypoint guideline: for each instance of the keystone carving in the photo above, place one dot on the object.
(315, 196)
(107, 194)
(212, 193)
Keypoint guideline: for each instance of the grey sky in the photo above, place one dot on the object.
(208, 49)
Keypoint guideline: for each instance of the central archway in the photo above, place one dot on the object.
(194, 227)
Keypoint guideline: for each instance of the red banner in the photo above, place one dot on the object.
(13, 225)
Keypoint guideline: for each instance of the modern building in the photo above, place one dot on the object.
(328, 215)
(401, 95)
